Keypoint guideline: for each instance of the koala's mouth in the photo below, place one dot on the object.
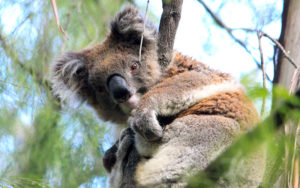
(130, 104)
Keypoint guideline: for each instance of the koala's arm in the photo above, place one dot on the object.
(172, 96)
(189, 144)
(121, 160)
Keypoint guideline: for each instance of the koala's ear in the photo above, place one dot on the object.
(128, 26)
(69, 77)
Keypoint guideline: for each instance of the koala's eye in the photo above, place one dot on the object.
(134, 66)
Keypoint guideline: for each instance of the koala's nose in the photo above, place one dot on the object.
(118, 88)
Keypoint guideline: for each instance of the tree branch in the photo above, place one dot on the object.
(54, 7)
(285, 53)
(13, 84)
(92, 20)
(229, 31)
(259, 36)
(22, 22)
(68, 18)
(81, 20)
(167, 30)
(277, 43)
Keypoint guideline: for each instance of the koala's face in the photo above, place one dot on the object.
(110, 76)
(117, 73)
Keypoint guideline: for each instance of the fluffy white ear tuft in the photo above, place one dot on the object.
(69, 76)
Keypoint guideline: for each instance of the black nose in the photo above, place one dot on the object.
(118, 88)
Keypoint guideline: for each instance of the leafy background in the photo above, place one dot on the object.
(46, 144)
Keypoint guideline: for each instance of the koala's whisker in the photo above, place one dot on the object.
(142, 37)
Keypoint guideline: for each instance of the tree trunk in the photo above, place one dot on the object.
(290, 39)
(285, 76)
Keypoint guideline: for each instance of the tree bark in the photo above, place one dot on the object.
(167, 30)
(290, 39)
(286, 75)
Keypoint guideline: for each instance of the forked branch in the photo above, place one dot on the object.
(167, 30)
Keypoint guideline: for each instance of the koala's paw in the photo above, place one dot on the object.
(109, 159)
(144, 122)
(118, 151)
(125, 141)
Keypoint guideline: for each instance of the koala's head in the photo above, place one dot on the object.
(109, 76)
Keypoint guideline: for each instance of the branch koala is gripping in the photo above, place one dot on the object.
(180, 119)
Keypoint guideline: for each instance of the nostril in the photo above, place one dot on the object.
(118, 88)
(122, 95)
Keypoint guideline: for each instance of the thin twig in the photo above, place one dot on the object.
(54, 7)
(142, 37)
(285, 53)
(13, 84)
(276, 42)
(22, 22)
(82, 21)
(216, 18)
(66, 26)
(259, 36)
(68, 16)
(96, 36)
(229, 31)
(296, 174)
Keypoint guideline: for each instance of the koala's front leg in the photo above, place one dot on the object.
(166, 99)
(144, 122)
(121, 161)
(118, 150)
(173, 95)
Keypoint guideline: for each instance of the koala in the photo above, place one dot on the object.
(180, 119)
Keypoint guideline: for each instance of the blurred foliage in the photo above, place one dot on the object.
(43, 144)
(257, 93)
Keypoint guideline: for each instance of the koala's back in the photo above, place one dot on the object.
(234, 105)
(220, 96)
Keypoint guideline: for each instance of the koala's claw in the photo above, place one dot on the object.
(146, 124)
(124, 133)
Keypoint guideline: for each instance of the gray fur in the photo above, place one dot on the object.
(67, 83)
(188, 145)
(129, 25)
